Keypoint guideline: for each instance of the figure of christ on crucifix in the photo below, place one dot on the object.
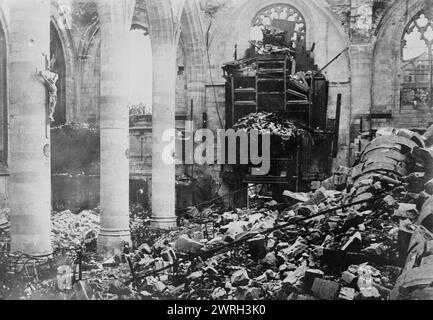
(50, 78)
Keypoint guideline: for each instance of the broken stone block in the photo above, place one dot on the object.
(218, 293)
(426, 216)
(325, 289)
(163, 277)
(227, 217)
(234, 229)
(261, 278)
(158, 286)
(240, 278)
(291, 267)
(186, 245)
(282, 245)
(158, 264)
(347, 294)
(354, 244)
(296, 249)
(294, 277)
(145, 294)
(375, 248)
(406, 211)
(271, 204)
(318, 197)
(254, 293)
(145, 249)
(282, 268)
(270, 244)
(195, 275)
(271, 274)
(111, 262)
(270, 259)
(311, 275)
(254, 218)
(300, 197)
(419, 276)
(390, 201)
(348, 277)
(370, 293)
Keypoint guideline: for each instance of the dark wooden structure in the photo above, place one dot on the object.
(270, 87)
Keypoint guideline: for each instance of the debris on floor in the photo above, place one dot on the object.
(372, 239)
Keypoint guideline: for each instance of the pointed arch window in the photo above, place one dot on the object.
(284, 17)
(417, 62)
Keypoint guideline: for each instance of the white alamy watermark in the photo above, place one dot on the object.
(229, 147)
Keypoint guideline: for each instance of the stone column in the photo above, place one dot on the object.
(162, 32)
(361, 57)
(30, 181)
(115, 22)
(163, 118)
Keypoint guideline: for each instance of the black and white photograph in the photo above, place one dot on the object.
(210, 157)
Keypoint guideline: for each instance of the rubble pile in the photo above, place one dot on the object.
(271, 123)
(416, 280)
(365, 233)
(69, 229)
(352, 252)
(280, 265)
(4, 227)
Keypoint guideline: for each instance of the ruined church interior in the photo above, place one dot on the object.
(216, 150)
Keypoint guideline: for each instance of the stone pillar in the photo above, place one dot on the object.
(115, 22)
(361, 56)
(30, 181)
(162, 33)
(361, 53)
(361, 29)
(163, 118)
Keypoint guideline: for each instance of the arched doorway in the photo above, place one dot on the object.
(57, 57)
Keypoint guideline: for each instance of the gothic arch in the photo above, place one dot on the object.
(189, 34)
(70, 57)
(88, 62)
(232, 27)
(387, 64)
(193, 42)
(323, 29)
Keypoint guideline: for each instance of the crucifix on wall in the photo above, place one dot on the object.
(50, 79)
